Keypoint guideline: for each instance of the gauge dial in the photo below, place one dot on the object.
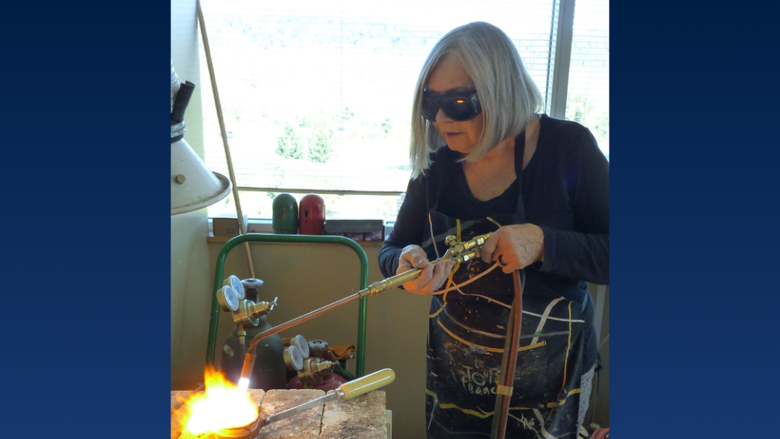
(302, 344)
(293, 358)
(237, 286)
(227, 298)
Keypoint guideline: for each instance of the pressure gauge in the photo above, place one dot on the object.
(227, 298)
(301, 344)
(293, 358)
(236, 284)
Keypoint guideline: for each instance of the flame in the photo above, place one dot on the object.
(222, 405)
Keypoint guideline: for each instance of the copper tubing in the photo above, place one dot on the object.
(298, 320)
(465, 251)
(509, 361)
(458, 252)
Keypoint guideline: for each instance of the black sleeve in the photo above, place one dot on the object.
(408, 228)
(583, 254)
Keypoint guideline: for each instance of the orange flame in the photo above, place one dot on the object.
(222, 405)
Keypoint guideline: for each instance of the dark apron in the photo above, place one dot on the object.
(466, 333)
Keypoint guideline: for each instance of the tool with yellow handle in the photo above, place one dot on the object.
(348, 390)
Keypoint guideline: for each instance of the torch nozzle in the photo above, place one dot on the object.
(246, 370)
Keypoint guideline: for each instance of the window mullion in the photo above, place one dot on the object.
(558, 80)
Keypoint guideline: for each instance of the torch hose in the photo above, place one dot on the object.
(509, 361)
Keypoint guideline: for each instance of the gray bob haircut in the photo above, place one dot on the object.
(509, 97)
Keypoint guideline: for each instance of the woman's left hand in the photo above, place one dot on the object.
(515, 247)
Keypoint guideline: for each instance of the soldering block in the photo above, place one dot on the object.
(362, 417)
(305, 425)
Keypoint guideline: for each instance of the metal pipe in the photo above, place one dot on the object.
(300, 319)
(458, 252)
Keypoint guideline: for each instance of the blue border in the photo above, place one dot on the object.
(86, 219)
(693, 187)
(693, 191)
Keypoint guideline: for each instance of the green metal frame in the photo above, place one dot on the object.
(310, 239)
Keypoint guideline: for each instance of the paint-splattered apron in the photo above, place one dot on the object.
(466, 339)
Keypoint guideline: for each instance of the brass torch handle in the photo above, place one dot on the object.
(392, 282)
(461, 252)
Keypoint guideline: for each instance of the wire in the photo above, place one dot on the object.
(457, 286)
(603, 341)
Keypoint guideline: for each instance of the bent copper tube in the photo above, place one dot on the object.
(458, 252)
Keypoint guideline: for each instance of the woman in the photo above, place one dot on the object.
(484, 159)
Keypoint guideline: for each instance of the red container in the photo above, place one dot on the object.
(329, 381)
(311, 215)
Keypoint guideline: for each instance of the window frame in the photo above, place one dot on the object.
(560, 53)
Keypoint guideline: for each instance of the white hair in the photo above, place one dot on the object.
(508, 95)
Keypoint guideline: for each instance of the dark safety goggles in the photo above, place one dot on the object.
(457, 105)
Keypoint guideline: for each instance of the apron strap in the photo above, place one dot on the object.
(519, 153)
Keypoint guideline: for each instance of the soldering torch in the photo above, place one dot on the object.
(457, 252)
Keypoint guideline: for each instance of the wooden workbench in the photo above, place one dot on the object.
(363, 417)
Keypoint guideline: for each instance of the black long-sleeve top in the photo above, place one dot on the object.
(565, 189)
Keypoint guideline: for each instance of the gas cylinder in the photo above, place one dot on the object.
(329, 381)
(285, 214)
(311, 215)
(269, 371)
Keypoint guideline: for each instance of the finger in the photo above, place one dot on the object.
(489, 247)
(417, 259)
(421, 262)
(403, 266)
(412, 257)
(419, 284)
(512, 264)
(440, 273)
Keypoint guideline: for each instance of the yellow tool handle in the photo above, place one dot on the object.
(367, 383)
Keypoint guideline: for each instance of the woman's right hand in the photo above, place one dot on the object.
(430, 279)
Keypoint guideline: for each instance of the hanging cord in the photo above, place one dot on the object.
(598, 386)
(599, 366)
(433, 241)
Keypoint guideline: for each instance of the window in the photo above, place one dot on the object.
(587, 100)
(316, 95)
